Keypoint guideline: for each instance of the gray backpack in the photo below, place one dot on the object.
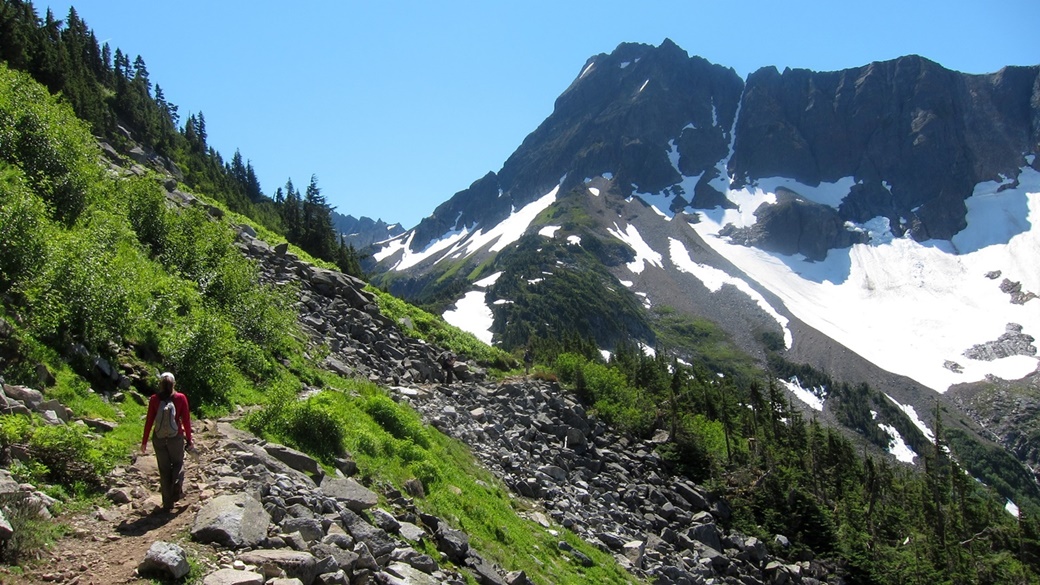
(166, 420)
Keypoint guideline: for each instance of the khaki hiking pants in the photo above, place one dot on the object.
(169, 454)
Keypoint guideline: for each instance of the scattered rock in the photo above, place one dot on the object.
(165, 558)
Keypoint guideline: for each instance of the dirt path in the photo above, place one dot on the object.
(104, 546)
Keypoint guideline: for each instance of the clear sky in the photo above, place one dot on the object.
(397, 105)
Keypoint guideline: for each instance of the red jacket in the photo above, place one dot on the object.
(180, 402)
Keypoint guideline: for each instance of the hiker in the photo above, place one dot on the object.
(528, 360)
(447, 360)
(169, 413)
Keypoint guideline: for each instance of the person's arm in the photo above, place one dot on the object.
(153, 408)
(184, 411)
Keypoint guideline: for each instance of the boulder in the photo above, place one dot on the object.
(350, 493)
(234, 521)
(297, 460)
(166, 559)
(453, 543)
(295, 564)
(233, 577)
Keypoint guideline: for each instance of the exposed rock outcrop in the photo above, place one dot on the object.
(1012, 342)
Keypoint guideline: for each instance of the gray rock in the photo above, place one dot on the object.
(337, 578)
(234, 521)
(27, 396)
(309, 528)
(453, 543)
(485, 572)
(296, 459)
(707, 534)
(165, 558)
(412, 532)
(403, 574)
(423, 562)
(295, 564)
(6, 531)
(385, 520)
(350, 493)
(233, 577)
(345, 559)
(376, 539)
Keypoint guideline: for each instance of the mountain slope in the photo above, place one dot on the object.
(876, 224)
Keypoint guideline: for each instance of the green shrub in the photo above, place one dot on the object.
(22, 230)
(32, 533)
(94, 291)
(427, 472)
(396, 420)
(54, 148)
(147, 212)
(14, 429)
(367, 444)
(312, 427)
(200, 354)
(70, 456)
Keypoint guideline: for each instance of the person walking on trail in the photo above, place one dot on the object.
(447, 359)
(169, 422)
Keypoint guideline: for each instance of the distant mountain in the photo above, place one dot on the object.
(364, 231)
(876, 224)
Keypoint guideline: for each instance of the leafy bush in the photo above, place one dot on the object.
(396, 420)
(43, 136)
(14, 429)
(427, 472)
(200, 354)
(312, 427)
(62, 454)
(608, 390)
(22, 230)
(92, 290)
(32, 533)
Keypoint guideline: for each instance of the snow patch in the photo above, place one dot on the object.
(714, 279)
(488, 281)
(811, 396)
(1010, 506)
(642, 87)
(644, 253)
(508, 230)
(549, 231)
(574, 240)
(897, 446)
(435, 247)
(912, 415)
(472, 314)
(587, 69)
(594, 191)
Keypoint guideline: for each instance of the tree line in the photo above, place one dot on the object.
(117, 97)
(784, 473)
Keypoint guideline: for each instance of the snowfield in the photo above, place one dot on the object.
(909, 307)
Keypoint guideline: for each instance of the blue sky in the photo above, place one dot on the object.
(396, 105)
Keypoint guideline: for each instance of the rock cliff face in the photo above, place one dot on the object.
(915, 136)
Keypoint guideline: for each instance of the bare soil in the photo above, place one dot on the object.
(104, 546)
